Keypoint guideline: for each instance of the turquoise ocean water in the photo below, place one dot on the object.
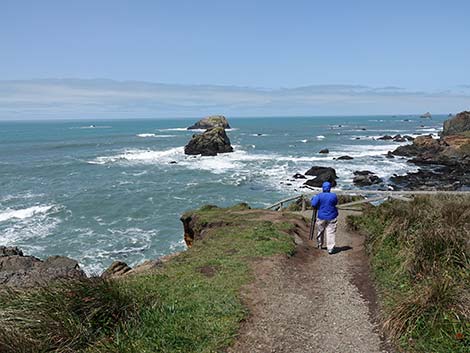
(100, 191)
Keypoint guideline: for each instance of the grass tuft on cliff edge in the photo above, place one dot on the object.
(420, 256)
(191, 304)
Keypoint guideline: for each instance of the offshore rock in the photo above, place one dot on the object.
(209, 143)
(344, 158)
(321, 175)
(19, 270)
(211, 122)
(366, 178)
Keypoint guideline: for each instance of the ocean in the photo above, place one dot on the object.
(99, 191)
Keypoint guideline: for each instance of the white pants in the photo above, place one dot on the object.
(330, 228)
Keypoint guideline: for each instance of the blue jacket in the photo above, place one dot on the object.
(326, 203)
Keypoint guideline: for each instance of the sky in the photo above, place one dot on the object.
(152, 58)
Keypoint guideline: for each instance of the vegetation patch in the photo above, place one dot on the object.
(191, 304)
(420, 255)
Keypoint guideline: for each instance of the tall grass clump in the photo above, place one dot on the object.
(420, 255)
(66, 316)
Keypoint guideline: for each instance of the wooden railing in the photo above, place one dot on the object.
(378, 195)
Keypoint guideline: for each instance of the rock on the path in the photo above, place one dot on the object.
(366, 178)
(321, 175)
(19, 270)
(209, 143)
(211, 122)
(460, 124)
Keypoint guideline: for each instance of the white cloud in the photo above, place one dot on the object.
(77, 98)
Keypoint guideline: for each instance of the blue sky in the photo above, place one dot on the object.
(408, 57)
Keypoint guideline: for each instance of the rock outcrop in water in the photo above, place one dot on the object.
(211, 122)
(448, 157)
(366, 178)
(209, 143)
(321, 175)
(19, 270)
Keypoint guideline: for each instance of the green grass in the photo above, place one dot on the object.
(420, 256)
(193, 303)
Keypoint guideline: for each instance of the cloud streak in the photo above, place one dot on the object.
(79, 98)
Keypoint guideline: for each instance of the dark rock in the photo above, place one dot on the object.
(10, 251)
(357, 138)
(385, 137)
(209, 143)
(298, 176)
(362, 172)
(432, 177)
(321, 175)
(325, 150)
(344, 158)
(117, 268)
(28, 271)
(366, 178)
(173, 162)
(460, 124)
(211, 122)
(426, 115)
(389, 155)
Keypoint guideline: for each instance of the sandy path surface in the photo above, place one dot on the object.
(312, 302)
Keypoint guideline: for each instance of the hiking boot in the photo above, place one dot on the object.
(331, 251)
(319, 246)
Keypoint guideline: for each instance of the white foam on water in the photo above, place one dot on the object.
(20, 196)
(19, 225)
(320, 137)
(9, 214)
(191, 130)
(304, 141)
(145, 135)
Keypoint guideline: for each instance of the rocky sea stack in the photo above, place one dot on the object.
(209, 143)
(211, 122)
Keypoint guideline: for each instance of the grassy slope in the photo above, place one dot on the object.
(420, 255)
(192, 304)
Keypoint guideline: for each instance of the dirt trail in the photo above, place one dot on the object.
(312, 302)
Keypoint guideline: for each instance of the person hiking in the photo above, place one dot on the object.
(325, 203)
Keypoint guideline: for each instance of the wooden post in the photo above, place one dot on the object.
(303, 203)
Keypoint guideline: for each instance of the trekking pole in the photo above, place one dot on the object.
(312, 223)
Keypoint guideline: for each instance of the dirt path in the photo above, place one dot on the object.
(312, 302)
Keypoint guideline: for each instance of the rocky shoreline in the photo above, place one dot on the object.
(444, 164)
